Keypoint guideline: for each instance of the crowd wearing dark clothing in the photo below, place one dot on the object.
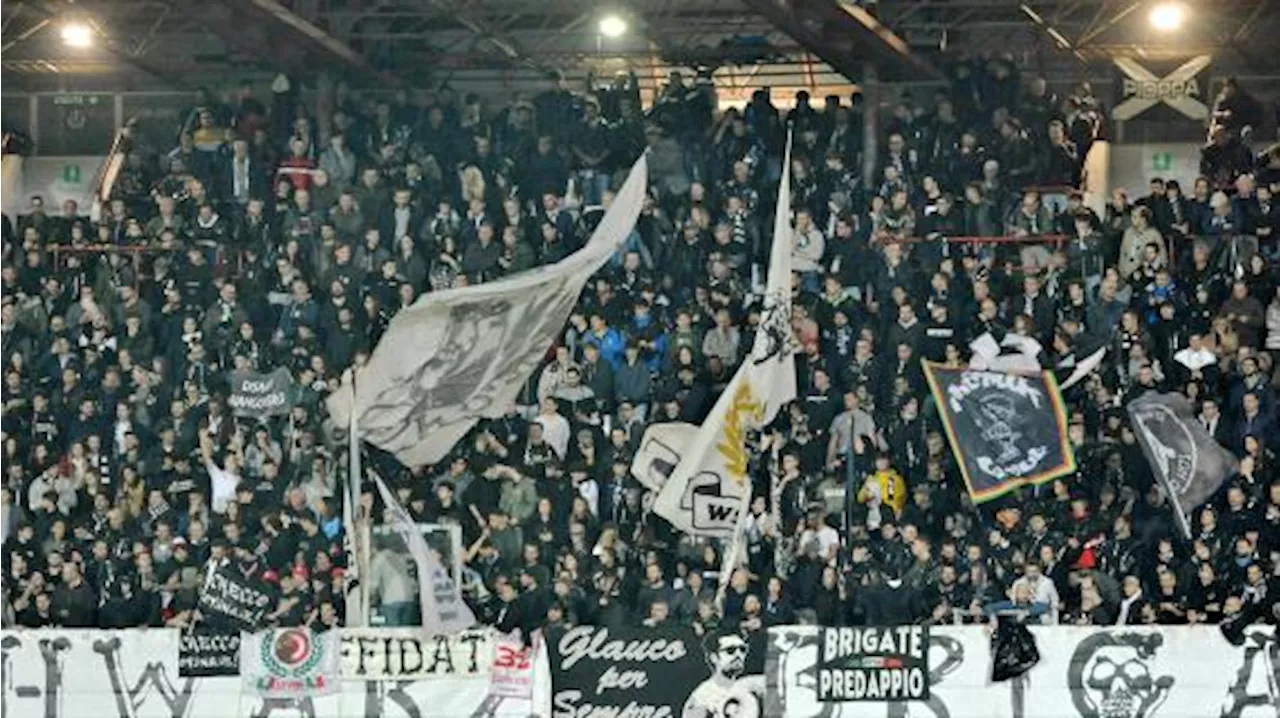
(261, 243)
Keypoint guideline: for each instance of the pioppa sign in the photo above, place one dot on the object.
(1143, 89)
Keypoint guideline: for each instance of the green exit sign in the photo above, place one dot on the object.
(1162, 161)
(71, 174)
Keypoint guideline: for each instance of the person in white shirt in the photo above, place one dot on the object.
(1041, 589)
(223, 480)
(1195, 356)
(818, 532)
(807, 248)
(555, 428)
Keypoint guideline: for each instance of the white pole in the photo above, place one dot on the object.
(357, 608)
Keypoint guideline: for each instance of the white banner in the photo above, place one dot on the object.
(134, 674)
(287, 662)
(407, 654)
(512, 672)
(1173, 672)
(463, 354)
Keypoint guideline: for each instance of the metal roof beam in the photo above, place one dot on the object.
(847, 37)
(313, 35)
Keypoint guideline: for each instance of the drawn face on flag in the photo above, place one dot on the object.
(775, 326)
(727, 655)
(478, 344)
(1173, 448)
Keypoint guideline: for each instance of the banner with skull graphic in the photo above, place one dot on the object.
(1006, 430)
(1084, 672)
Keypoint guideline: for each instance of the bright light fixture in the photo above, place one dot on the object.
(612, 26)
(77, 34)
(1167, 17)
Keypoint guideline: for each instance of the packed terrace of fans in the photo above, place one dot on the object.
(254, 242)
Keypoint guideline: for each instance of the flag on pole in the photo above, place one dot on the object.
(355, 603)
(709, 491)
(443, 610)
(1084, 360)
(1186, 460)
(1006, 430)
(464, 354)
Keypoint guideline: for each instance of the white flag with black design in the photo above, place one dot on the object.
(1185, 458)
(461, 355)
(709, 489)
(443, 610)
(659, 452)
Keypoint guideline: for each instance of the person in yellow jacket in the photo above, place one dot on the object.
(884, 489)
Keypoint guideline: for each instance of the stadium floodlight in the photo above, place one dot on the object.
(77, 34)
(612, 26)
(1168, 16)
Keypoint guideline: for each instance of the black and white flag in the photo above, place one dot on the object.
(254, 394)
(463, 354)
(231, 600)
(1006, 430)
(1183, 455)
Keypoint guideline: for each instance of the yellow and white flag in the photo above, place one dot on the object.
(709, 490)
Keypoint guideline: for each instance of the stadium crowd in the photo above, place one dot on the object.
(259, 242)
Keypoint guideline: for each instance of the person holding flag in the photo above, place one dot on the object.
(709, 490)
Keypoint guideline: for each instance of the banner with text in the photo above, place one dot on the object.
(407, 654)
(227, 597)
(134, 674)
(205, 653)
(1157, 672)
(511, 675)
(254, 394)
(646, 672)
(874, 663)
(1006, 430)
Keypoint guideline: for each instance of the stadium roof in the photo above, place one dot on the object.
(153, 44)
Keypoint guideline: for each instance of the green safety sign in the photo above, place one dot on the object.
(1162, 161)
(71, 174)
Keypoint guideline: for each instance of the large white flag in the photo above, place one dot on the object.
(443, 610)
(709, 489)
(460, 355)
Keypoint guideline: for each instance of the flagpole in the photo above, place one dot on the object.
(350, 504)
(781, 233)
(851, 475)
(729, 562)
